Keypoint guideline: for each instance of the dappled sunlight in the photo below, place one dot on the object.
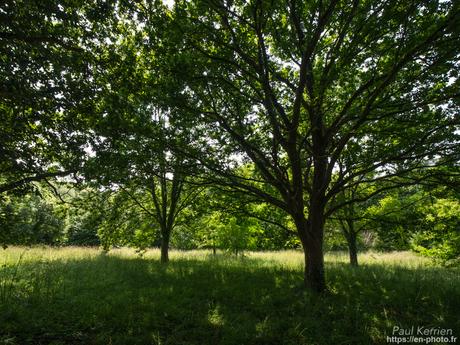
(215, 317)
(289, 259)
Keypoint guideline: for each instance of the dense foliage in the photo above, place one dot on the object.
(423, 220)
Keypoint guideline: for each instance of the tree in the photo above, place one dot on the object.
(387, 205)
(140, 165)
(439, 237)
(34, 218)
(314, 94)
(352, 217)
(296, 87)
(49, 62)
(268, 227)
(132, 132)
(85, 210)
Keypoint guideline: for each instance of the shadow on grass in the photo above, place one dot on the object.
(114, 300)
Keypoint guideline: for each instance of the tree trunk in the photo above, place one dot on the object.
(311, 234)
(352, 248)
(164, 248)
(314, 276)
(315, 279)
(314, 256)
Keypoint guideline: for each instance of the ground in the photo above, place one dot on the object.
(83, 296)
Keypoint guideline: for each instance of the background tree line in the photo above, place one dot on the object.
(422, 219)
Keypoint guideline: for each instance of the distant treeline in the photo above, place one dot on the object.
(420, 219)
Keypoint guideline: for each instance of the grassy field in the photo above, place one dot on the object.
(82, 296)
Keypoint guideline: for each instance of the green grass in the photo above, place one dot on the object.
(81, 296)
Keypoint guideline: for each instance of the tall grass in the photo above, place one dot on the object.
(82, 296)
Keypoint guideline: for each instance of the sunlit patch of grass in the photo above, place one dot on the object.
(83, 296)
(286, 258)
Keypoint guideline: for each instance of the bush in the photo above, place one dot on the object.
(439, 237)
(82, 236)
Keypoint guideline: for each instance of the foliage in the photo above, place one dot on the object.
(84, 216)
(440, 236)
(396, 218)
(235, 234)
(49, 62)
(30, 220)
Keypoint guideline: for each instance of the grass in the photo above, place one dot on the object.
(81, 296)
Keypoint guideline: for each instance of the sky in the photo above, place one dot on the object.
(169, 3)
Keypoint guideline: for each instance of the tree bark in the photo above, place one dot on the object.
(315, 279)
(164, 248)
(348, 229)
(314, 276)
(352, 248)
(311, 235)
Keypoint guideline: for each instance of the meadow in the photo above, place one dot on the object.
(84, 296)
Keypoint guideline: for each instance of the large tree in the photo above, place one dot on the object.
(297, 87)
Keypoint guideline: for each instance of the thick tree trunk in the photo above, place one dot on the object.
(352, 249)
(312, 240)
(165, 248)
(311, 230)
(314, 276)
